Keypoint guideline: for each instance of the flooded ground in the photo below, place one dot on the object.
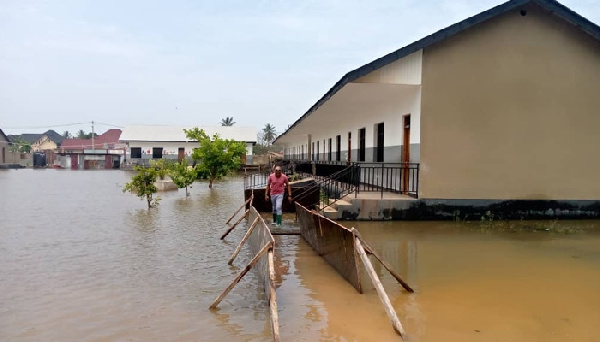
(81, 261)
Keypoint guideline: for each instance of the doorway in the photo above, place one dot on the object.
(349, 148)
(405, 152)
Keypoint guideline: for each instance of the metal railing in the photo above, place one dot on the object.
(334, 187)
(400, 178)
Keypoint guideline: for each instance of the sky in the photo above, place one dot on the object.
(66, 63)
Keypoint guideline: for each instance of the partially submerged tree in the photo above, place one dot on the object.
(228, 121)
(183, 175)
(143, 185)
(216, 156)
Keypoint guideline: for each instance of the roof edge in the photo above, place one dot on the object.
(551, 5)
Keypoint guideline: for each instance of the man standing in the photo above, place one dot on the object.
(276, 187)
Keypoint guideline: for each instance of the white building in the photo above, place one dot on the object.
(170, 142)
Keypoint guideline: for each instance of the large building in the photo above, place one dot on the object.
(501, 106)
(145, 142)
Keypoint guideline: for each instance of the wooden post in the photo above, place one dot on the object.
(237, 211)
(235, 224)
(387, 266)
(273, 298)
(242, 274)
(239, 247)
(387, 305)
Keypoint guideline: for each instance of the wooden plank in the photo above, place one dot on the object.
(387, 305)
(273, 298)
(239, 247)
(387, 266)
(242, 274)
(237, 211)
(231, 228)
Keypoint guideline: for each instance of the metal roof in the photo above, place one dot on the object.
(175, 133)
(550, 5)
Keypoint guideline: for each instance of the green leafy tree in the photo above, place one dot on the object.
(161, 166)
(20, 145)
(216, 156)
(228, 121)
(143, 185)
(81, 134)
(269, 134)
(183, 175)
(67, 135)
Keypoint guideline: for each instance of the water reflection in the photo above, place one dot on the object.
(81, 261)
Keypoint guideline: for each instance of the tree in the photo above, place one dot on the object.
(20, 145)
(228, 121)
(216, 156)
(67, 135)
(81, 134)
(143, 185)
(183, 175)
(269, 134)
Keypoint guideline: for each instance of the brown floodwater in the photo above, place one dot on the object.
(82, 261)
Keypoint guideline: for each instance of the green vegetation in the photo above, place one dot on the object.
(143, 185)
(228, 121)
(183, 175)
(268, 134)
(218, 157)
(20, 145)
(162, 167)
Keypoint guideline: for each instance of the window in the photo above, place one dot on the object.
(136, 152)
(318, 150)
(361, 144)
(157, 152)
(302, 147)
(312, 152)
(329, 150)
(338, 143)
(379, 143)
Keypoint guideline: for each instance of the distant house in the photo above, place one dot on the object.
(47, 141)
(103, 152)
(4, 144)
(146, 142)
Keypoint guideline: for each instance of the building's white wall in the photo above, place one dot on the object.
(169, 148)
(350, 115)
(406, 70)
(172, 148)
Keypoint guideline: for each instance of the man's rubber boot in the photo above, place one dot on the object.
(278, 220)
(274, 219)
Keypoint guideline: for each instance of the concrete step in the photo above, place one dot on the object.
(339, 203)
(330, 213)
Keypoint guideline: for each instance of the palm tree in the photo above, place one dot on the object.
(269, 134)
(81, 134)
(67, 135)
(228, 121)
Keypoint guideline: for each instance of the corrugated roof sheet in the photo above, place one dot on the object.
(175, 133)
(110, 137)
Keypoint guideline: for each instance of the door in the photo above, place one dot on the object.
(180, 154)
(349, 148)
(405, 152)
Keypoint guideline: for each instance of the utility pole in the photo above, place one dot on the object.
(93, 146)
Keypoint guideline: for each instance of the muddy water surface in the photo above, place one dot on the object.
(81, 261)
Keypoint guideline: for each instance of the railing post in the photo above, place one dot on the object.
(382, 171)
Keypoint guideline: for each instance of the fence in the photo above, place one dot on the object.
(261, 243)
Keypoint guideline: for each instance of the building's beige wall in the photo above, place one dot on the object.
(43, 144)
(511, 110)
